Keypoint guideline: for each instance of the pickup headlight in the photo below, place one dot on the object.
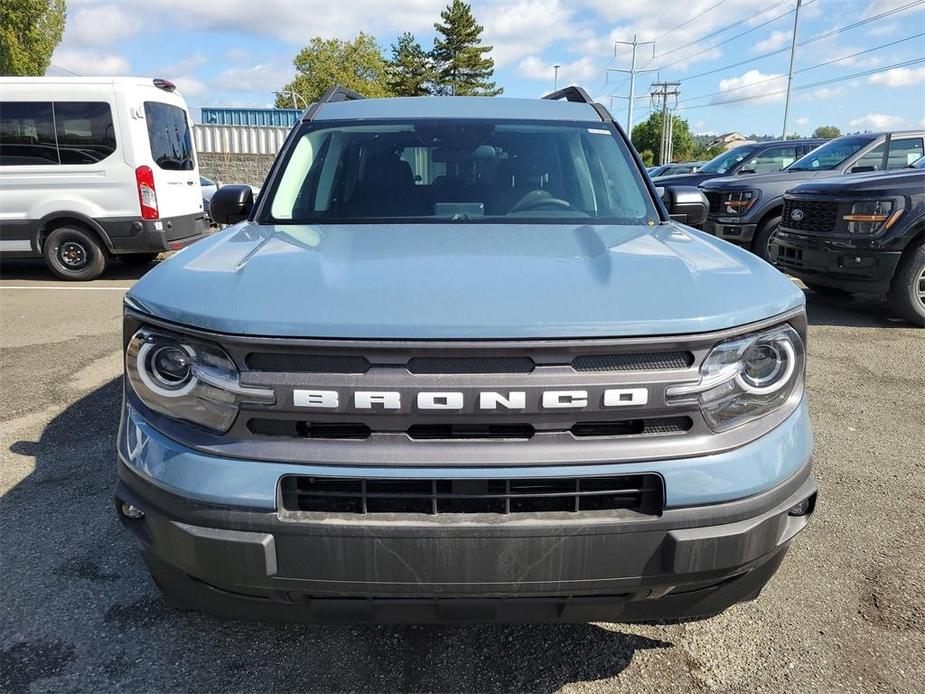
(746, 377)
(739, 202)
(868, 216)
(187, 379)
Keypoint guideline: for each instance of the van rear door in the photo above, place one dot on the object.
(176, 173)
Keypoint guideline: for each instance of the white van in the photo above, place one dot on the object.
(95, 167)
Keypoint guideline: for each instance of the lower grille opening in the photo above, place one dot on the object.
(634, 427)
(334, 495)
(308, 430)
(470, 431)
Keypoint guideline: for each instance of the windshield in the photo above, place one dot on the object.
(459, 170)
(726, 161)
(830, 155)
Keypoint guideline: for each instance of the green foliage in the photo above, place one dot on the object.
(30, 30)
(463, 66)
(409, 72)
(647, 157)
(356, 64)
(648, 135)
(827, 131)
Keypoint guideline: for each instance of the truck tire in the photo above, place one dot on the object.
(72, 253)
(137, 259)
(907, 292)
(763, 238)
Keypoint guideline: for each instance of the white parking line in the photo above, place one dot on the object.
(68, 288)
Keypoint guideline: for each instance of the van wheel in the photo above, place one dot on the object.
(137, 259)
(762, 244)
(907, 293)
(74, 254)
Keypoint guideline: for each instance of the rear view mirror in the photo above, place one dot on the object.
(230, 204)
(686, 204)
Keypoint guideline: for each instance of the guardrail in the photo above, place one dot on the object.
(238, 139)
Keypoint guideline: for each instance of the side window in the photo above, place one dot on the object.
(85, 131)
(169, 135)
(904, 152)
(873, 159)
(27, 133)
(772, 160)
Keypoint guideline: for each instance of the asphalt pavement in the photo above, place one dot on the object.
(846, 612)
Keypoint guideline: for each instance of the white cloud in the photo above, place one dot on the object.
(522, 28)
(878, 6)
(189, 86)
(575, 72)
(89, 62)
(777, 39)
(822, 93)
(878, 121)
(258, 78)
(802, 120)
(754, 85)
(899, 77)
(99, 25)
(922, 123)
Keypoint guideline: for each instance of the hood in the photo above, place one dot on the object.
(427, 281)
(688, 179)
(888, 183)
(760, 181)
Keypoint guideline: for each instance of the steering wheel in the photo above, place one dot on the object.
(537, 199)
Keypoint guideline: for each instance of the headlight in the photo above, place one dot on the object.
(868, 216)
(187, 379)
(739, 202)
(746, 377)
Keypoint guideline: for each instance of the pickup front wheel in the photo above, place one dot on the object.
(907, 293)
(762, 244)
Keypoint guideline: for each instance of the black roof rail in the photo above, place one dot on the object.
(579, 95)
(334, 94)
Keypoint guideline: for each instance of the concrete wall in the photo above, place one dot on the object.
(235, 168)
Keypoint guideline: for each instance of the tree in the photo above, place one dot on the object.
(648, 136)
(356, 64)
(30, 30)
(409, 73)
(827, 131)
(463, 66)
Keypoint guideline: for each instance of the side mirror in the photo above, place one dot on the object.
(862, 169)
(686, 204)
(230, 204)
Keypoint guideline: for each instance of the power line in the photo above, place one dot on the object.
(684, 24)
(807, 69)
(861, 22)
(64, 69)
(832, 80)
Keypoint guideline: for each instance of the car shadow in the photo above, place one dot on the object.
(81, 613)
(851, 311)
(36, 269)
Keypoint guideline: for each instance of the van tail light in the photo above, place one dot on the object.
(144, 177)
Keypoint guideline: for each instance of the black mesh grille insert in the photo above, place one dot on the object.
(306, 363)
(814, 215)
(470, 365)
(639, 493)
(634, 427)
(470, 431)
(308, 430)
(633, 362)
(716, 202)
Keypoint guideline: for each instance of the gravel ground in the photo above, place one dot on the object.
(846, 612)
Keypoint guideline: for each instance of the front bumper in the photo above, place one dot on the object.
(835, 262)
(239, 557)
(730, 229)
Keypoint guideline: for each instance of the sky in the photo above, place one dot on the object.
(238, 52)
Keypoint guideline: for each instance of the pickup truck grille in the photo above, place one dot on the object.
(573, 495)
(715, 200)
(817, 215)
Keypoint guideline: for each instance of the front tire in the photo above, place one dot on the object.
(764, 240)
(907, 292)
(74, 254)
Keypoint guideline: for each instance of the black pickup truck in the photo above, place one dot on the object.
(865, 233)
(746, 210)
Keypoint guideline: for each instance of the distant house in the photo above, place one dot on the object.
(729, 140)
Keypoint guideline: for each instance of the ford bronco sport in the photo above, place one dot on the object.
(458, 363)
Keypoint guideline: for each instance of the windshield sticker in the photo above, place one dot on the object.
(598, 131)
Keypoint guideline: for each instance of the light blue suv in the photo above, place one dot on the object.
(461, 363)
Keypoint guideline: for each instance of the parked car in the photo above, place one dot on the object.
(93, 168)
(460, 363)
(681, 167)
(747, 211)
(863, 233)
(757, 158)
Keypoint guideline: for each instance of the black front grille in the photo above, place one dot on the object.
(470, 365)
(812, 215)
(306, 363)
(654, 361)
(716, 202)
(340, 495)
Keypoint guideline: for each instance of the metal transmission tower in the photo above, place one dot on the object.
(665, 91)
(793, 51)
(632, 72)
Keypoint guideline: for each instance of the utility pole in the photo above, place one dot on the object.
(555, 78)
(664, 90)
(632, 73)
(793, 52)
